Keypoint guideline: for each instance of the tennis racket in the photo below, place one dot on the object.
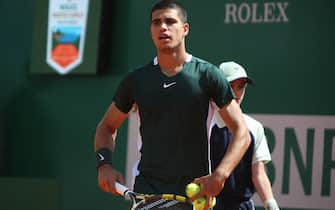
(152, 201)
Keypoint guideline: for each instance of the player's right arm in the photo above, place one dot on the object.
(105, 136)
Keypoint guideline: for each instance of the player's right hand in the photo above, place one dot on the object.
(107, 176)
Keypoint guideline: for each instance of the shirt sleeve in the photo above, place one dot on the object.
(220, 89)
(124, 95)
(261, 152)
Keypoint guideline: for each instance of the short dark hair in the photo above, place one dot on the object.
(171, 4)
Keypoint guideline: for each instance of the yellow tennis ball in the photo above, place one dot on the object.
(192, 189)
(199, 204)
(213, 202)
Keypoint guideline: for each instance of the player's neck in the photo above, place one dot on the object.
(172, 63)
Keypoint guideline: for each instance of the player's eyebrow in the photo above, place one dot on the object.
(164, 19)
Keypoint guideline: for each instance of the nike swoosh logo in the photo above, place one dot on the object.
(101, 157)
(168, 85)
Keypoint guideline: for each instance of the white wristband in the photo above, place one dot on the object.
(271, 204)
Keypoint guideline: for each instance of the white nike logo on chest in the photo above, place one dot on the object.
(166, 85)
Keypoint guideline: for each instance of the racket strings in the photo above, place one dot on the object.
(161, 205)
(164, 201)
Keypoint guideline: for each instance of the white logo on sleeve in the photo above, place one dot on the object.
(166, 85)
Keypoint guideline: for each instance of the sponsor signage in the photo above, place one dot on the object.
(303, 159)
(66, 34)
(266, 12)
(67, 37)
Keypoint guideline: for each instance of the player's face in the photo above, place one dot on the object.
(167, 30)
(238, 87)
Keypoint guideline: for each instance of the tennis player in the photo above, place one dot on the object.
(172, 93)
(250, 173)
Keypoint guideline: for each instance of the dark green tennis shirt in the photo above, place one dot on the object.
(173, 115)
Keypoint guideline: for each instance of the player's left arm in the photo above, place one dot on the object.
(233, 118)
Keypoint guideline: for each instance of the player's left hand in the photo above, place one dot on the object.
(211, 186)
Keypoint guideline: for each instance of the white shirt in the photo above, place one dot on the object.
(261, 149)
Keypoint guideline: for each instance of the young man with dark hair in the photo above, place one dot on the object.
(172, 93)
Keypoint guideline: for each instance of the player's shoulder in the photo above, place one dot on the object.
(202, 62)
(139, 70)
(198, 60)
(144, 67)
(206, 69)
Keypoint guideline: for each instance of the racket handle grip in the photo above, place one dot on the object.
(121, 189)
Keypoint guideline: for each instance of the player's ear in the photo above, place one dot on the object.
(186, 29)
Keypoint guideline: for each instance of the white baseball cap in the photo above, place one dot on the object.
(234, 71)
